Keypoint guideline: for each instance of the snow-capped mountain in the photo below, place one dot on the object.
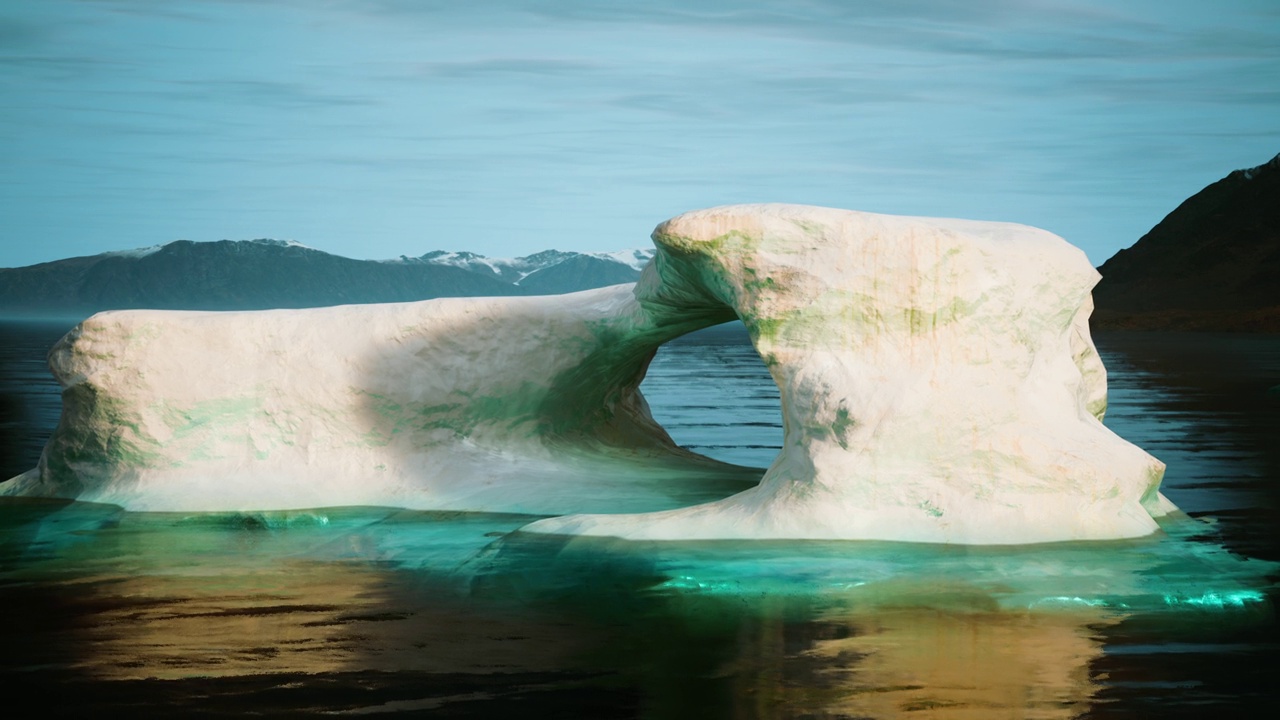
(516, 270)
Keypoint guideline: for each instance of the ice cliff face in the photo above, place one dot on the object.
(937, 378)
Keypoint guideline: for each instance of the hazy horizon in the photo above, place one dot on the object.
(385, 128)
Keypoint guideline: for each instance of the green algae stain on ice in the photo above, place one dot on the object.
(842, 426)
(218, 412)
(930, 509)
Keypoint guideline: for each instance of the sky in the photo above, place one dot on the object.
(380, 128)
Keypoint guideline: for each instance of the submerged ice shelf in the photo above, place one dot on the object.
(486, 555)
(937, 380)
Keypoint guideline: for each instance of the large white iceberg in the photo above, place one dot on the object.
(937, 378)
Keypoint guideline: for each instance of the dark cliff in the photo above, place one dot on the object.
(1211, 264)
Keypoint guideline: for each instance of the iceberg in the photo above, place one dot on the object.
(938, 384)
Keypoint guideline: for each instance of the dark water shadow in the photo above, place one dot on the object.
(1208, 406)
(30, 399)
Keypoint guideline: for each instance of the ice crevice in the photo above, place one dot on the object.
(937, 381)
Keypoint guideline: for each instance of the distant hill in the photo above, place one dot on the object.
(1212, 264)
(261, 274)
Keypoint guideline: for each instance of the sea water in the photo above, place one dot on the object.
(378, 610)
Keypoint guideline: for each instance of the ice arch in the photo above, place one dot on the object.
(938, 384)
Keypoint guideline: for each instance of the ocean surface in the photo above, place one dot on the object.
(376, 611)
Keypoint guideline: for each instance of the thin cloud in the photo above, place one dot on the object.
(269, 93)
(480, 69)
(56, 68)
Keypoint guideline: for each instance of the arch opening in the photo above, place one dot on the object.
(714, 396)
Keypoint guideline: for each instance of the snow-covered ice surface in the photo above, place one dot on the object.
(937, 380)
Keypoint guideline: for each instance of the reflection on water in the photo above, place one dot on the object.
(361, 609)
(371, 610)
(979, 665)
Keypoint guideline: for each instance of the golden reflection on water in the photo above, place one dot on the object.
(957, 666)
(299, 617)
(918, 662)
(152, 596)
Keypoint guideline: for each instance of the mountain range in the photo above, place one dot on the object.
(260, 274)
